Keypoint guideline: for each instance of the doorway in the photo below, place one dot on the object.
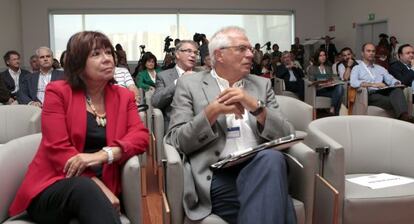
(368, 32)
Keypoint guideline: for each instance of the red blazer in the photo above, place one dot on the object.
(63, 136)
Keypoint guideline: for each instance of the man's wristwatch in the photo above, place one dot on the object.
(108, 150)
(260, 106)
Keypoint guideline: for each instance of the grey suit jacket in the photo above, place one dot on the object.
(164, 92)
(202, 143)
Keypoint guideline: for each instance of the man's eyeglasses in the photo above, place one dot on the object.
(240, 48)
(189, 51)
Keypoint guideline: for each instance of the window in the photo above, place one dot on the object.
(133, 30)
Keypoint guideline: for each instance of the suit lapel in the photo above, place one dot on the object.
(211, 90)
(249, 88)
(35, 84)
(78, 120)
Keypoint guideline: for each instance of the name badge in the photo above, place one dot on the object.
(233, 132)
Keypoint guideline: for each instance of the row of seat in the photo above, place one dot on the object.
(357, 102)
(357, 145)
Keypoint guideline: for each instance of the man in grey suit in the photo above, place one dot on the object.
(185, 54)
(219, 112)
(33, 88)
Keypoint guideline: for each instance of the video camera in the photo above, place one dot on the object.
(167, 43)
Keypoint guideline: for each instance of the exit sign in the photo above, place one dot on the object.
(371, 16)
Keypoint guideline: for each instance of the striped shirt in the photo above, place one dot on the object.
(123, 77)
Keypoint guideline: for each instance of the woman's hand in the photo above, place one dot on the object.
(108, 193)
(78, 163)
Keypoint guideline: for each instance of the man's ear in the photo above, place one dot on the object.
(218, 55)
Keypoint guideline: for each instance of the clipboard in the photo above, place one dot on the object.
(243, 155)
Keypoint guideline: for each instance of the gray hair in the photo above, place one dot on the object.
(221, 39)
(182, 42)
(44, 48)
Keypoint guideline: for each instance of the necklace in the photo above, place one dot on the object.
(100, 118)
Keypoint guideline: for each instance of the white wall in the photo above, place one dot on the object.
(310, 14)
(10, 23)
(343, 13)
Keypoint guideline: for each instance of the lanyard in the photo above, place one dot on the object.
(322, 71)
(369, 72)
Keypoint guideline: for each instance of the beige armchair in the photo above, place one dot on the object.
(280, 89)
(360, 104)
(301, 185)
(298, 113)
(16, 155)
(18, 120)
(361, 145)
(317, 102)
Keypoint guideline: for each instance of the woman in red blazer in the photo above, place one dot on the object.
(90, 128)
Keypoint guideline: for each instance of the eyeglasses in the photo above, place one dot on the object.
(189, 51)
(240, 48)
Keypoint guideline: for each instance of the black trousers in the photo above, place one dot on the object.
(254, 192)
(390, 99)
(73, 198)
(297, 87)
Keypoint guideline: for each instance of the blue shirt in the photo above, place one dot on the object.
(371, 74)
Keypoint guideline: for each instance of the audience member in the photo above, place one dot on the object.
(329, 48)
(394, 45)
(185, 55)
(375, 78)
(121, 56)
(402, 69)
(76, 171)
(203, 49)
(34, 63)
(146, 78)
(257, 54)
(33, 88)
(322, 67)
(168, 61)
(62, 59)
(223, 111)
(4, 94)
(298, 50)
(347, 63)
(123, 78)
(382, 56)
(276, 53)
(292, 75)
(14, 76)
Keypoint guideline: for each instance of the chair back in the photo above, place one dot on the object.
(18, 120)
(15, 157)
(371, 144)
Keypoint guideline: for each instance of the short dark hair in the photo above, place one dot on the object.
(364, 45)
(62, 59)
(316, 57)
(149, 56)
(401, 48)
(77, 52)
(346, 49)
(6, 57)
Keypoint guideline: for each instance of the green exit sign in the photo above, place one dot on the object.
(371, 16)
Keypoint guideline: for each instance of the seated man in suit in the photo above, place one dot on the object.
(226, 110)
(14, 75)
(292, 75)
(402, 69)
(375, 77)
(4, 93)
(33, 88)
(165, 81)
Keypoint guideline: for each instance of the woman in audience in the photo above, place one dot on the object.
(320, 70)
(146, 78)
(90, 128)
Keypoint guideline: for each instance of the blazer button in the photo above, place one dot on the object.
(217, 153)
(208, 177)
